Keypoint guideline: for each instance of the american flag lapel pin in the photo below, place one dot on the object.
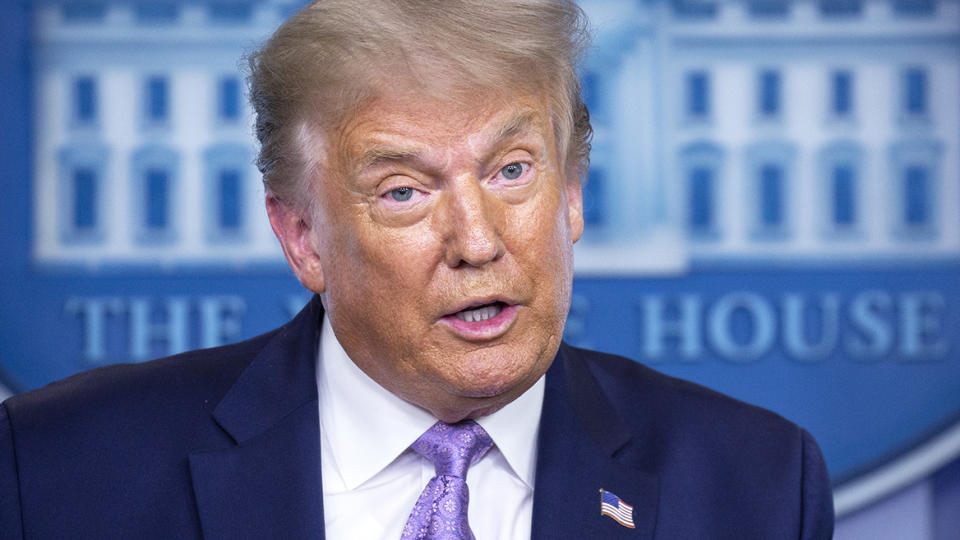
(613, 506)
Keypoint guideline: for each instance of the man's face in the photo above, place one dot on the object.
(444, 233)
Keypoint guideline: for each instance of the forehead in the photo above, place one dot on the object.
(417, 122)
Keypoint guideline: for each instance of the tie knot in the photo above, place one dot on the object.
(453, 447)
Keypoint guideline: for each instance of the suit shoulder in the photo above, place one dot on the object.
(202, 375)
(678, 403)
(741, 461)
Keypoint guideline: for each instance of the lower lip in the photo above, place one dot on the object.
(491, 328)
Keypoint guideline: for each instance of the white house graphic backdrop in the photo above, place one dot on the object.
(773, 204)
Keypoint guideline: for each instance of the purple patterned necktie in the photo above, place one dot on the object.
(441, 510)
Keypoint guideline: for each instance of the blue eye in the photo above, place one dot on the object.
(512, 171)
(401, 194)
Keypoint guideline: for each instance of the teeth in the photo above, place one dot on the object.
(480, 314)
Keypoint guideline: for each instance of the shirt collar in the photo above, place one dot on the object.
(367, 427)
(515, 428)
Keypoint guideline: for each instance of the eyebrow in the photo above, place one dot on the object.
(378, 154)
(383, 153)
(516, 125)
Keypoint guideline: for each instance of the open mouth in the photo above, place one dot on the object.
(480, 313)
(482, 321)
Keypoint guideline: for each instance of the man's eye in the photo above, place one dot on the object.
(512, 171)
(401, 194)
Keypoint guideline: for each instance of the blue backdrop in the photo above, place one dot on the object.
(749, 226)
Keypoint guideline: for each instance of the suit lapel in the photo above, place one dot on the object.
(268, 484)
(584, 447)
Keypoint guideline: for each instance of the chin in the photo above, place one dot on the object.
(487, 389)
(489, 378)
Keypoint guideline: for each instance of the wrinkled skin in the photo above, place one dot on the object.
(425, 207)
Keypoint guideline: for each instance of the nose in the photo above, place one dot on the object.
(471, 225)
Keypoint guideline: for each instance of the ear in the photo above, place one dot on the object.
(575, 205)
(296, 238)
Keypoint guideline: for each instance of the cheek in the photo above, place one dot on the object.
(378, 288)
(542, 228)
(389, 267)
(544, 248)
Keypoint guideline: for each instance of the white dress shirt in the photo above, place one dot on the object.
(371, 479)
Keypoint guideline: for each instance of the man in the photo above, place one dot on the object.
(422, 162)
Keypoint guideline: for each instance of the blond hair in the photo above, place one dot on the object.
(324, 61)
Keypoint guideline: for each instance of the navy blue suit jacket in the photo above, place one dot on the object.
(224, 443)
